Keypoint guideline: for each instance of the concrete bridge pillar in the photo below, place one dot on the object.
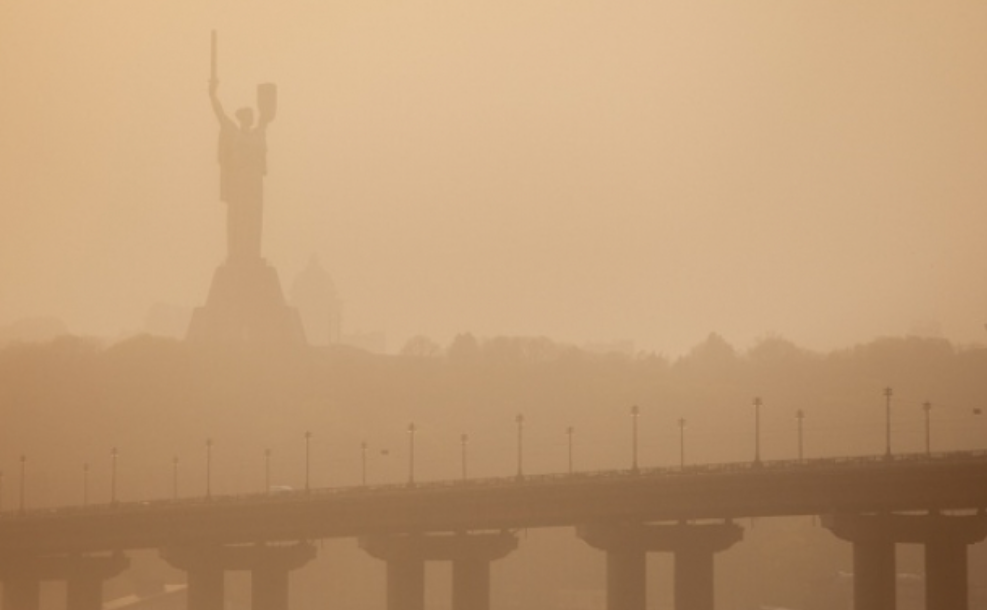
(626, 579)
(470, 555)
(83, 574)
(206, 587)
(874, 575)
(21, 593)
(627, 545)
(206, 566)
(874, 538)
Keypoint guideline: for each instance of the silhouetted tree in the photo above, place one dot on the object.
(464, 348)
(421, 346)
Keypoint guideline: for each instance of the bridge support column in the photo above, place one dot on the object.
(206, 587)
(206, 566)
(83, 574)
(626, 581)
(694, 579)
(627, 545)
(269, 588)
(21, 593)
(945, 539)
(471, 583)
(946, 575)
(874, 575)
(470, 555)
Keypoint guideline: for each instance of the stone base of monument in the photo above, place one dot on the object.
(246, 305)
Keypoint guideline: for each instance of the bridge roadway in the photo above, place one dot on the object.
(938, 482)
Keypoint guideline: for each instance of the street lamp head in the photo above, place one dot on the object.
(681, 422)
(927, 406)
(519, 418)
(308, 435)
(635, 410)
(887, 392)
(411, 428)
(570, 430)
(757, 401)
(208, 442)
(464, 438)
(800, 414)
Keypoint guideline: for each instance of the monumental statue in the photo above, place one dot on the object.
(242, 157)
(245, 301)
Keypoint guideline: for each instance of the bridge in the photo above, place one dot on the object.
(938, 500)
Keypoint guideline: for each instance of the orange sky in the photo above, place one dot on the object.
(584, 170)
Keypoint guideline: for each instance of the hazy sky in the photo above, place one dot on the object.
(589, 171)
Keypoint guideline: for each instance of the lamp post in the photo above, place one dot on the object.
(85, 484)
(208, 468)
(887, 422)
(463, 441)
(569, 432)
(113, 475)
(267, 470)
(635, 413)
(174, 478)
(308, 444)
(1, 491)
(411, 454)
(23, 473)
(363, 462)
(681, 442)
(519, 420)
(799, 417)
(927, 407)
(757, 431)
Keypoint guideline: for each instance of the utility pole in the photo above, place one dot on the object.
(799, 416)
(267, 470)
(681, 442)
(635, 413)
(113, 475)
(23, 472)
(363, 462)
(208, 468)
(411, 454)
(569, 431)
(519, 420)
(757, 431)
(887, 421)
(308, 443)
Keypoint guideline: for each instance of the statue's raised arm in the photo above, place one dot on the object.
(217, 106)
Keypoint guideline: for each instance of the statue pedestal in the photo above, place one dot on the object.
(246, 305)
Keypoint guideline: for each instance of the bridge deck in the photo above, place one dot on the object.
(954, 481)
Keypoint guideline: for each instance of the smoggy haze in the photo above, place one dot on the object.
(584, 170)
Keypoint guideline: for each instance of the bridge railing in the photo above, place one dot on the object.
(574, 478)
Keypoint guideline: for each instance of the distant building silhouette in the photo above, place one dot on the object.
(314, 295)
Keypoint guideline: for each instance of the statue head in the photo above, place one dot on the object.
(246, 118)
